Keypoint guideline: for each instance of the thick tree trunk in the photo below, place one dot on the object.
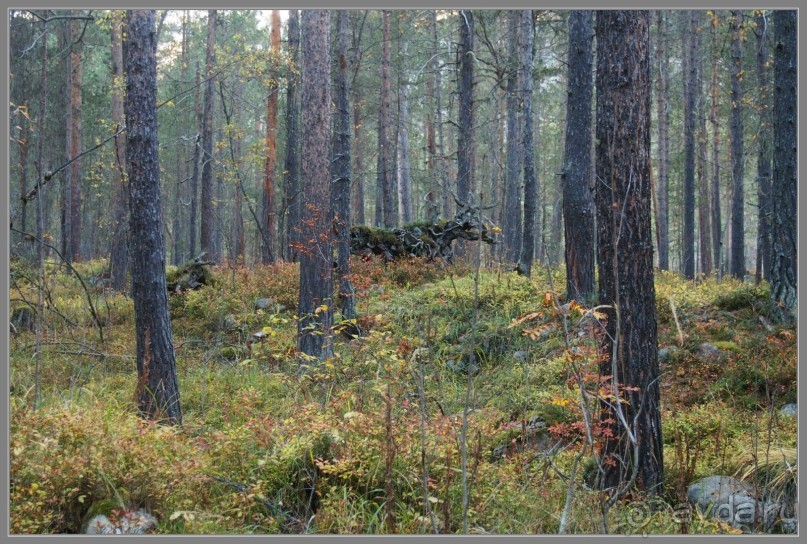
(785, 158)
(292, 163)
(157, 387)
(530, 183)
(269, 214)
(764, 259)
(690, 93)
(511, 227)
(208, 231)
(737, 268)
(340, 189)
(663, 102)
(578, 200)
(119, 258)
(625, 250)
(446, 200)
(316, 261)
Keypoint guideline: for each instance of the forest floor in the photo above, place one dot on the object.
(457, 384)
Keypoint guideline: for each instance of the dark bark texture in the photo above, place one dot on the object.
(690, 95)
(385, 186)
(316, 260)
(764, 158)
(625, 248)
(511, 225)
(530, 182)
(157, 386)
(292, 162)
(340, 189)
(737, 262)
(785, 160)
(578, 200)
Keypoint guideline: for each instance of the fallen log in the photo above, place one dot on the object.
(192, 275)
(423, 239)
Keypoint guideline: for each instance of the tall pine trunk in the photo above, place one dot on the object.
(157, 390)
(404, 169)
(690, 94)
(785, 159)
(291, 165)
(764, 255)
(75, 137)
(466, 140)
(625, 252)
(316, 260)
(511, 226)
(340, 189)
(384, 208)
(578, 200)
(737, 262)
(530, 183)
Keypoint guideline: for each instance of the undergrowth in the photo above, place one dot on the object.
(271, 445)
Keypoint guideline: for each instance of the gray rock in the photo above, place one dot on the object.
(790, 410)
(521, 355)
(263, 303)
(665, 355)
(710, 353)
(731, 501)
(132, 522)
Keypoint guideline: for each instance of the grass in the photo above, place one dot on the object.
(268, 448)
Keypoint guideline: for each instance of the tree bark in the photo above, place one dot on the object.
(119, 258)
(625, 250)
(764, 259)
(340, 189)
(737, 268)
(157, 387)
(209, 215)
(269, 214)
(197, 151)
(511, 227)
(530, 183)
(578, 200)
(292, 162)
(357, 193)
(316, 261)
(785, 159)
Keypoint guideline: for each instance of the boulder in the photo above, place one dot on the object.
(790, 410)
(264, 303)
(732, 501)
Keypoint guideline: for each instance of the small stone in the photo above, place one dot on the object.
(665, 355)
(521, 355)
(790, 410)
(710, 352)
(229, 322)
(263, 303)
